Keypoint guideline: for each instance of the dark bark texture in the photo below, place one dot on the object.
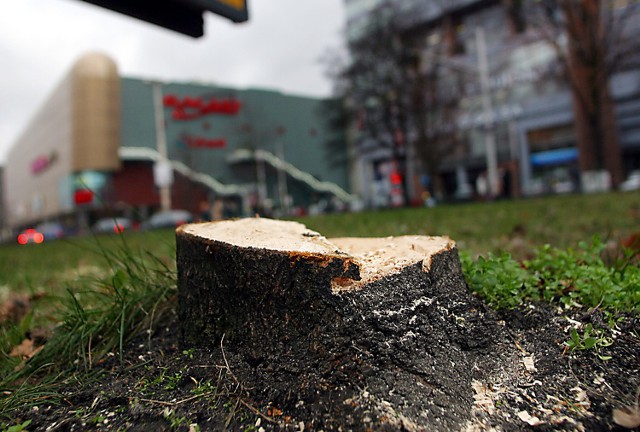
(400, 353)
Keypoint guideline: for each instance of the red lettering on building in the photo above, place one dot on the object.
(200, 142)
(189, 108)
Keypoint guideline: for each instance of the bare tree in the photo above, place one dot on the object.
(435, 107)
(394, 93)
(593, 40)
(376, 85)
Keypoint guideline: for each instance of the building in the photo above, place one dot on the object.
(103, 144)
(513, 112)
(2, 221)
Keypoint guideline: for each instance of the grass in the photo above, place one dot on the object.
(561, 221)
(478, 228)
(93, 313)
(100, 291)
(51, 267)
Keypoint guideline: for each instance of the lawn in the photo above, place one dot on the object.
(561, 221)
(53, 266)
(478, 228)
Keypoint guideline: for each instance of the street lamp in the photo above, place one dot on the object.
(487, 106)
(162, 170)
(282, 175)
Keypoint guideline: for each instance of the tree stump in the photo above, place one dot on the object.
(385, 328)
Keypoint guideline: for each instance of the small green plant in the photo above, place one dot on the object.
(98, 419)
(173, 419)
(500, 280)
(589, 339)
(164, 380)
(203, 387)
(580, 277)
(172, 381)
(19, 427)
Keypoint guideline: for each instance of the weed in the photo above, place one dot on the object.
(500, 280)
(173, 419)
(19, 427)
(172, 381)
(589, 339)
(164, 380)
(98, 419)
(580, 277)
(203, 387)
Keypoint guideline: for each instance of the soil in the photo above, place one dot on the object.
(412, 351)
(160, 385)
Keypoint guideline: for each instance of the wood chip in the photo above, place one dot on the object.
(529, 364)
(483, 398)
(628, 417)
(529, 419)
(25, 350)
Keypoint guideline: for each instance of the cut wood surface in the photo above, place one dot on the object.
(381, 257)
(374, 257)
(387, 323)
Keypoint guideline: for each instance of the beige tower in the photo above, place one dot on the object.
(96, 113)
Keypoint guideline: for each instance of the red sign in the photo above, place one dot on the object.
(200, 142)
(83, 196)
(189, 108)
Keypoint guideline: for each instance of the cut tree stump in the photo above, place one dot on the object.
(352, 332)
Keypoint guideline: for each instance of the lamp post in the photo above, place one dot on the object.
(487, 107)
(163, 173)
(261, 176)
(282, 175)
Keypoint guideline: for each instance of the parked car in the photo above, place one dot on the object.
(168, 219)
(112, 225)
(51, 230)
(30, 235)
(632, 182)
(45, 231)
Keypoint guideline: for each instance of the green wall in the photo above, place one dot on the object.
(262, 114)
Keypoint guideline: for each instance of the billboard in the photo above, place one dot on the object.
(235, 10)
(183, 16)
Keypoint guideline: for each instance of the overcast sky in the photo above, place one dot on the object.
(281, 48)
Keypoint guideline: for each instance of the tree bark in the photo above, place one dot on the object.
(594, 108)
(363, 320)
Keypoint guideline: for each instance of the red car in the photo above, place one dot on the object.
(30, 235)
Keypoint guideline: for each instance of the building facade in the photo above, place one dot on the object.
(103, 144)
(513, 111)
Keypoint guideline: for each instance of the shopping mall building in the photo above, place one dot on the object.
(103, 144)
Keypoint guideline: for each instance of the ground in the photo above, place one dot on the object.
(159, 385)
